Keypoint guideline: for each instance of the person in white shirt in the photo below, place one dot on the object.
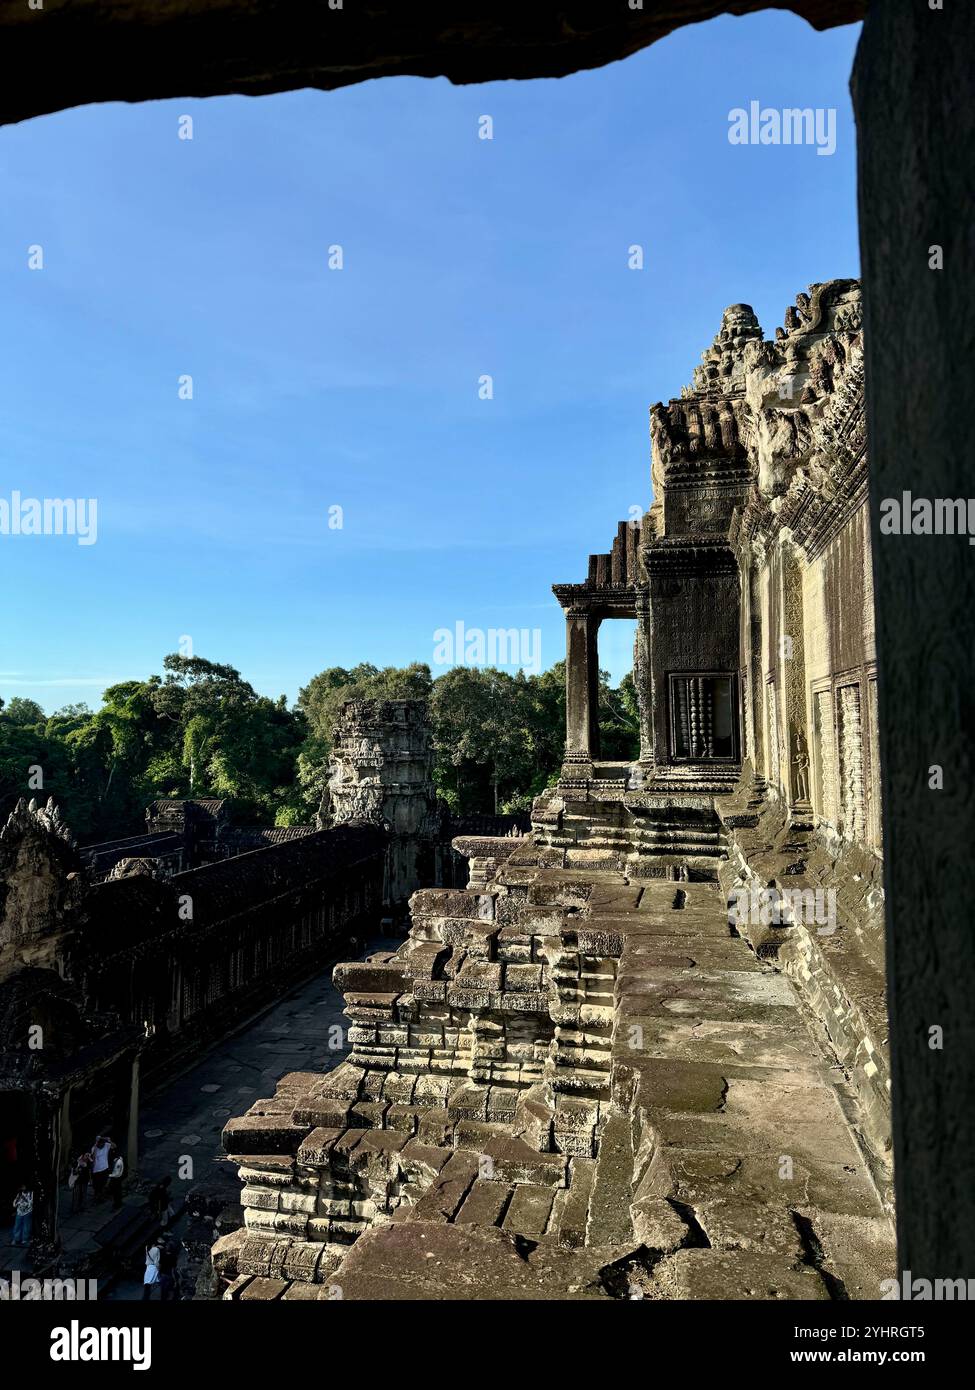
(151, 1277)
(101, 1162)
(116, 1173)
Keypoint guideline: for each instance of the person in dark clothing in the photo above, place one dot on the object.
(81, 1175)
(159, 1199)
(168, 1273)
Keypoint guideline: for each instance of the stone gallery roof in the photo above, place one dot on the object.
(128, 913)
(121, 912)
(100, 858)
(247, 881)
(259, 837)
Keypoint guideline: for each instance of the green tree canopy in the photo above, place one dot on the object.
(321, 700)
(22, 711)
(200, 729)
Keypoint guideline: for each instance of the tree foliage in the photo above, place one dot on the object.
(321, 700)
(201, 730)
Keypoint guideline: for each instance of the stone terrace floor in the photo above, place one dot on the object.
(727, 1168)
(748, 1122)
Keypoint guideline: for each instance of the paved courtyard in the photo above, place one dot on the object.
(179, 1129)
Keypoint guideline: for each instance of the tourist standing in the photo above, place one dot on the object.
(152, 1276)
(160, 1203)
(116, 1173)
(101, 1163)
(168, 1276)
(23, 1215)
(79, 1180)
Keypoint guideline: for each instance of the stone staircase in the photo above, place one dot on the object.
(637, 833)
(550, 1091)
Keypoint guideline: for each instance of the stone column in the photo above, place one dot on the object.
(916, 127)
(792, 680)
(132, 1135)
(581, 691)
(643, 679)
(46, 1176)
(756, 665)
(67, 1138)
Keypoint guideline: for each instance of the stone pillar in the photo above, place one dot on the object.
(756, 668)
(581, 691)
(592, 672)
(67, 1138)
(916, 146)
(642, 677)
(750, 639)
(46, 1176)
(792, 670)
(132, 1136)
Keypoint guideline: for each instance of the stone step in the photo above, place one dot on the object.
(583, 837)
(691, 829)
(647, 844)
(485, 1204)
(529, 1210)
(570, 1213)
(609, 1220)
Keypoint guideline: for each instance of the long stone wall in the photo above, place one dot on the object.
(186, 957)
(105, 983)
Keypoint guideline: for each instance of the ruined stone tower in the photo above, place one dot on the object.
(382, 774)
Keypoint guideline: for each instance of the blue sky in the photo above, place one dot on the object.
(358, 387)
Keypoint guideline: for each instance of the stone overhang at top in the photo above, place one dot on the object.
(71, 52)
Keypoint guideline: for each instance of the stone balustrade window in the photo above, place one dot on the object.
(703, 718)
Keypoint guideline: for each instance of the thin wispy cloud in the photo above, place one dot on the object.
(98, 681)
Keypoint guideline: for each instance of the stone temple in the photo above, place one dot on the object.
(642, 1054)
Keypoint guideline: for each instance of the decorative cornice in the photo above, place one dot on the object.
(589, 600)
(689, 555)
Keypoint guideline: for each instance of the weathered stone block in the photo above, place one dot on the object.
(523, 978)
(529, 1210)
(371, 977)
(317, 1146)
(515, 1161)
(260, 1199)
(259, 1134)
